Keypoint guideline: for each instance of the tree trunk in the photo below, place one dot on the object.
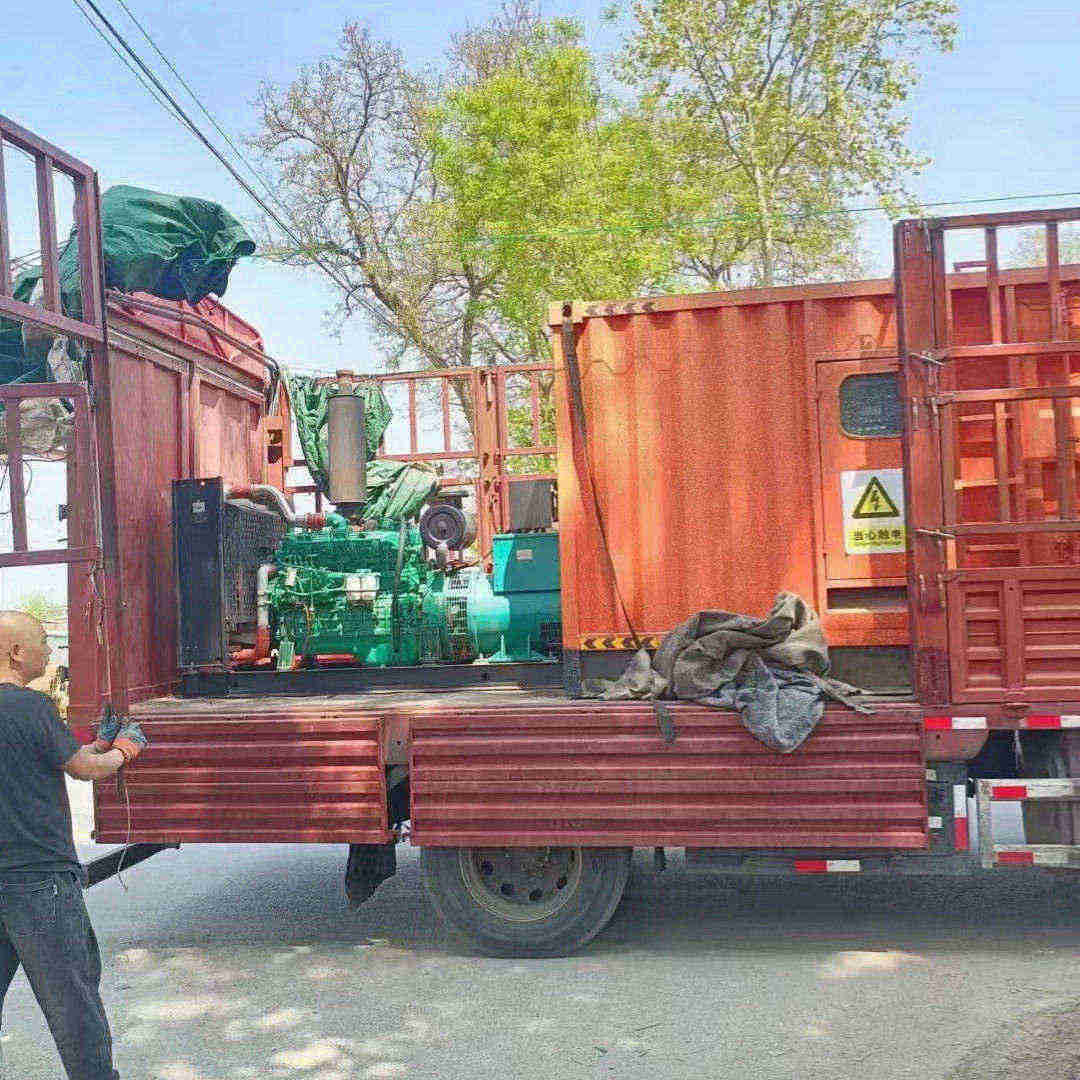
(767, 240)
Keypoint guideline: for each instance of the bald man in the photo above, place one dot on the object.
(43, 921)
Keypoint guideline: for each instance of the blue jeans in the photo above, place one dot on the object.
(44, 926)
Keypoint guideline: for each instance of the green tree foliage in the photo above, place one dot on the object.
(788, 108)
(530, 163)
(421, 190)
(455, 207)
(42, 607)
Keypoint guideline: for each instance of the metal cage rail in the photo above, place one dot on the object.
(991, 467)
(92, 509)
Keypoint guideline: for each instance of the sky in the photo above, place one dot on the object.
(1000, 115)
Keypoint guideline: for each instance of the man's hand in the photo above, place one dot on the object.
(131, 742)
(107, 732)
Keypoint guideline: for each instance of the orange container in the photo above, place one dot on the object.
(719, 430)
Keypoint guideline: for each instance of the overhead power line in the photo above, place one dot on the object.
(124, 60)
(180, 114)
(267, 187)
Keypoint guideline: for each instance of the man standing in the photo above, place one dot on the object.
(43, 921)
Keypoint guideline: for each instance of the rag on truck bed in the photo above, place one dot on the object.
(772, 671)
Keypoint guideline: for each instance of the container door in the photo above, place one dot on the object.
(860, 419)
(991, 399)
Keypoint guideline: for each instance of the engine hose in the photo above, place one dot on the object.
(395, 625)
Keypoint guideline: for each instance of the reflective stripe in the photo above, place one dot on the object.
(827, 866)
(960, 817)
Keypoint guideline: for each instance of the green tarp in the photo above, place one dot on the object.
(171, 246)
(14, 366)
(396, 489)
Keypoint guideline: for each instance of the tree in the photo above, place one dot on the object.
(347, 138)
(550, 194)
(791, 109)
(42, 607)
(398, 181)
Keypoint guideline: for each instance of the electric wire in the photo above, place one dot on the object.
(638, 228)
(124, 60)
(179, 113)
(205, 111)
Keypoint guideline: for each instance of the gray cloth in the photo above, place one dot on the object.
(35, 815)
(773, 671)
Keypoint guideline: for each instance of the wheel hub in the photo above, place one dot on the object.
(522, 884)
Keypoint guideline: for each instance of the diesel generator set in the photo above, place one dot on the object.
(260, 586)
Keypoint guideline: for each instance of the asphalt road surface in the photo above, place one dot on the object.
(231, 963)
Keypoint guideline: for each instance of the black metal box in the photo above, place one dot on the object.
(532, 505)
(218, 548)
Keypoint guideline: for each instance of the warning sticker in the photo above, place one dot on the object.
(873, 511)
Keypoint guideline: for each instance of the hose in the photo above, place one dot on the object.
(270, 496)
(395, 626)
(262, 631)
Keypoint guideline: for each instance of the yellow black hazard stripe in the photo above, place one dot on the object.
(601, 642)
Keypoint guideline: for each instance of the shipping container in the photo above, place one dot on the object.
(725, 444)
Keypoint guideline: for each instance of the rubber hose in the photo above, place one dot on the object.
(395, 626)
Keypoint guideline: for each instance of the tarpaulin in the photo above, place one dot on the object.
(773, 671)
(396, 489)
(172, 246)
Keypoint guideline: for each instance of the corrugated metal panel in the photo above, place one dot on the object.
(705, 447)
(251, 779)
(699, 441)
(602, 775)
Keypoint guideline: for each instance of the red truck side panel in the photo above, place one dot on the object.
(252, 779)
(184, 405)
(602, 775)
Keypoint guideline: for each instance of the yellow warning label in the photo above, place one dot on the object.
(873, 502)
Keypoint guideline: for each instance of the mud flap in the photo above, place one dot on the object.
(368, 867)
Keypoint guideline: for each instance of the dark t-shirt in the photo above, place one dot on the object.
(35, 815)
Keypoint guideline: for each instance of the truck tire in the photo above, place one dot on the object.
(1043, 757)
(526, 901)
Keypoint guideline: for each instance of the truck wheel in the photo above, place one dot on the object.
(526, 901)
(1046, 822)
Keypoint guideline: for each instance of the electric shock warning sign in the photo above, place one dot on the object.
(873, 511)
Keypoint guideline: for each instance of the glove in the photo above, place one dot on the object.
(107, 732)
(130, 742)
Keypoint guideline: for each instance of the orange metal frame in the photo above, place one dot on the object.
(92, 503)
(995, 608)
(489, 445)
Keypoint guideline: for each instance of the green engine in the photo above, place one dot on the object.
(373, 597)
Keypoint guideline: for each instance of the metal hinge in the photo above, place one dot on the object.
(935, 357)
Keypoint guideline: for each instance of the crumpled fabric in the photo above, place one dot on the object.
(772, 671)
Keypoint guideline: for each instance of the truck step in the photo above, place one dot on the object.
(1061, 856)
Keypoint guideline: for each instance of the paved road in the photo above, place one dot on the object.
(225, 963)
